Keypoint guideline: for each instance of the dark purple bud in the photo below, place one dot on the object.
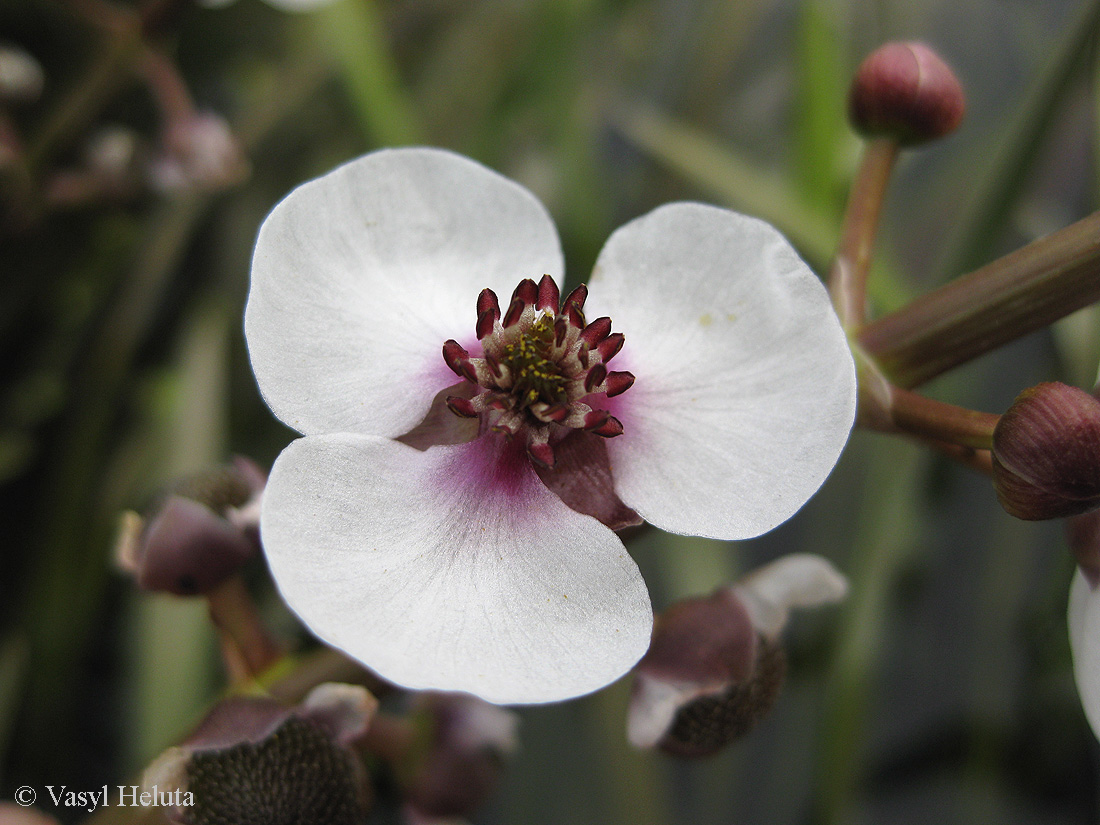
(715, 664)
(905, 91)
(252, 761)
(1046, 453)
(199, 535)
(470, 741)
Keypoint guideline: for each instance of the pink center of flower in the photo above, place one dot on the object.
(542, 367)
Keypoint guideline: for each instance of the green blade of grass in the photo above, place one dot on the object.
(1013, 157)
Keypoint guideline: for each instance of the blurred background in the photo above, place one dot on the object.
(940, 691)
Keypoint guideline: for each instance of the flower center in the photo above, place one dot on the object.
(541, 370)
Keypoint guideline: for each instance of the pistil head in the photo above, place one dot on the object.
(541, 368)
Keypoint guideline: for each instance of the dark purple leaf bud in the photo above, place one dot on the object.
(1046, 453)
(905, 91)
(199, 534)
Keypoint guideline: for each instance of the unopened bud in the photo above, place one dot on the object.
(1046, 453)
(199, 153)
(21, 76)
(905, 91)
(201, 533)
(468, 744)
(715, 664)
(252, 760)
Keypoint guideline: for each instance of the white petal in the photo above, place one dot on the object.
(654, 704)
(1084, 641)
(437, 576)
(745, 389)
(795, 580)
(359, 277)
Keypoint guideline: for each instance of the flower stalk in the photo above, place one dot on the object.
(998, 303)
(247, 647)
(852, 264)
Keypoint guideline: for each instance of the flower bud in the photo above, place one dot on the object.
(199, 153)
(905, 91)
(21, 76)
(1046, 453)
(469, 742)
(252, 760)
(201, 533)
(715, 664)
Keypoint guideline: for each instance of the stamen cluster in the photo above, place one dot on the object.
(540, 367)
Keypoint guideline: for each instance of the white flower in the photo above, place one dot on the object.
(445, 552)
(1084, 633)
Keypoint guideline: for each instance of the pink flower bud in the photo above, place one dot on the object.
(1046, 453)
(201, 533)
(905, 91)
(199, 153)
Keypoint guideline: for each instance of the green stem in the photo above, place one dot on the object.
(1004, 300)
(852, 264)
(938, 421)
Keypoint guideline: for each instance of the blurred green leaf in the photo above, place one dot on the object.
(821, 131)
(353, 28)
(1013, 155)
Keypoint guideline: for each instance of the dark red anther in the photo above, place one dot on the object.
(485, 322)
(610, 428)
(575, 316)
(556, 412)
(494, 366)
(583, 353)
(595, 377)
(596, 332)
(548, 294)
(455, 357)
(527, 291)
(561, 327)
(618, 383)
(576, 298)
(487, 301)
(596, 418)
(514, 313)
(609, 347)
(461, 406)
(541, 453)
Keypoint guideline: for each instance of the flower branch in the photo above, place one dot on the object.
(1004, 300)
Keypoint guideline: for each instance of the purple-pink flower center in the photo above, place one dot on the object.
(541, 370)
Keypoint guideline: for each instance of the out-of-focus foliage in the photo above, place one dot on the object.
(940, 692)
